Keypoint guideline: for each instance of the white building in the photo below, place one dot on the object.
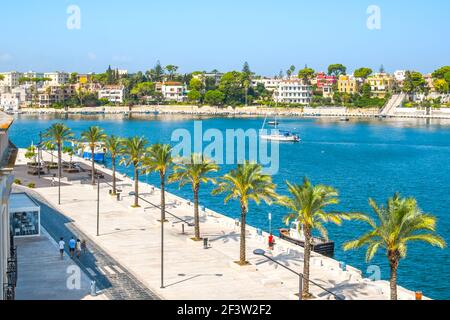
(33, 75)
(56, 78)
(293, 91)
(211, 75)
(114, 94)
(10, 101)
(400, 75)
(172, 91)
(122, 72)
(11, 79)
(269, 83)
(8, 257)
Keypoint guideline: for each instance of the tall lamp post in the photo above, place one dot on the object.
(98, 205)
(39, 154)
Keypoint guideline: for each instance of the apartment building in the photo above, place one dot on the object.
(113, 93)
(348, 84)
(324, 80)
(55, 94)
(11, 79)
(380, 84)
(172, 91)
(10, 101)
(8, 256)
(270, 84)
(209, 75)
(293, 91)
(56, 78)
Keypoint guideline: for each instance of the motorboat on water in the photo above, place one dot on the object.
(273, 123)
(278, 135)
(83, 150)
(295, 235)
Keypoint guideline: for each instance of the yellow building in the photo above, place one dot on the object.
(380, 84)
(84, 78)
(348, 84)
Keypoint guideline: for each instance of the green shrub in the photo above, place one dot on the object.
(17, 181)
(31, 185)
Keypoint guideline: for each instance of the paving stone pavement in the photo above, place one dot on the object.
(111, 277)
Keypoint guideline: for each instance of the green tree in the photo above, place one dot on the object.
(31, 154)
(133, 151)
(363, 73)
(306, 74)
(414, 82)
(447, 77)
(441, 85)
(214, 97)
(337, 69)
(440, 73)
(50, 146)
(290, 71)
(158, 158)
(306, 205)
(73, 78)
(70, 152)
(194, 171)
(58, 133)
(400, 222)
(143, 89)
(196, 84)
(114, 146)
(194, 95)
(93, 136)
(172, 69)
(246, 183)
(231, 84)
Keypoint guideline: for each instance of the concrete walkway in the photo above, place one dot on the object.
(44, 276)
(132, 237)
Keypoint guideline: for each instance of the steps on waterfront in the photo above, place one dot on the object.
(394, 102)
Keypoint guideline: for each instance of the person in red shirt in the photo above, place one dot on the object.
(271, 241)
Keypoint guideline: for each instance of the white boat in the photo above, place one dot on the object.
(282, 136)
(278, 135)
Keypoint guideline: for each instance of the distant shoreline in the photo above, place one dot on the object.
(254, 111)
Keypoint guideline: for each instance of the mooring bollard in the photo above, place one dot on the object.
(182, 228)
(205, 243)
(93, 288)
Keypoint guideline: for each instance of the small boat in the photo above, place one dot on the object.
(273, 123)
(345, 119)
(295, 236)
(278, 135)
(282, 136)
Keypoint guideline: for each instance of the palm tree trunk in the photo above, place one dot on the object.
(242, 257)
(306, 261)
(93, 165)
(113, 159)
(163, 197)
(196, 215)
(393, 262)
(136, 186)
(59, 173)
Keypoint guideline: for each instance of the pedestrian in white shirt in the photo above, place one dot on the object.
(62, 245)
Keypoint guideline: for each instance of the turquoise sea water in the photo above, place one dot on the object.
(362, 159)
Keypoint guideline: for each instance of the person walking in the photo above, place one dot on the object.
(72, 245)
(78, 248)
(61, 244)
(83, 246)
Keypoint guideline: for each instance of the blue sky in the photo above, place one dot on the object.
(206, 34)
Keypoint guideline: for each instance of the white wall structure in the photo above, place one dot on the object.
(10, 101)
(11, 79)
(293, 91)
(400, 75)
(172, 91)
(57, 78)
(269, 83)
(114, 94)
(6, 179)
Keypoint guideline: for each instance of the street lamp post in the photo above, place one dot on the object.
(98, 205)
(39, 154)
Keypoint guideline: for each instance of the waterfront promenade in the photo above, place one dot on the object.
(132, 238)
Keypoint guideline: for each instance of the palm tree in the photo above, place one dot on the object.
(114, 146)
(246, 183)
(58, 133)
(133, 150)
(70, 152)
(194, 170)
(50, 146)
(93, 135)
(306, 205)
(31, 154)
(399, 223)
(159, 159)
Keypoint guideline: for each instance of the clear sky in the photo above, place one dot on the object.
(206, 34)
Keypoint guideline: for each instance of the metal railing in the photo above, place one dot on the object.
(9, 292)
